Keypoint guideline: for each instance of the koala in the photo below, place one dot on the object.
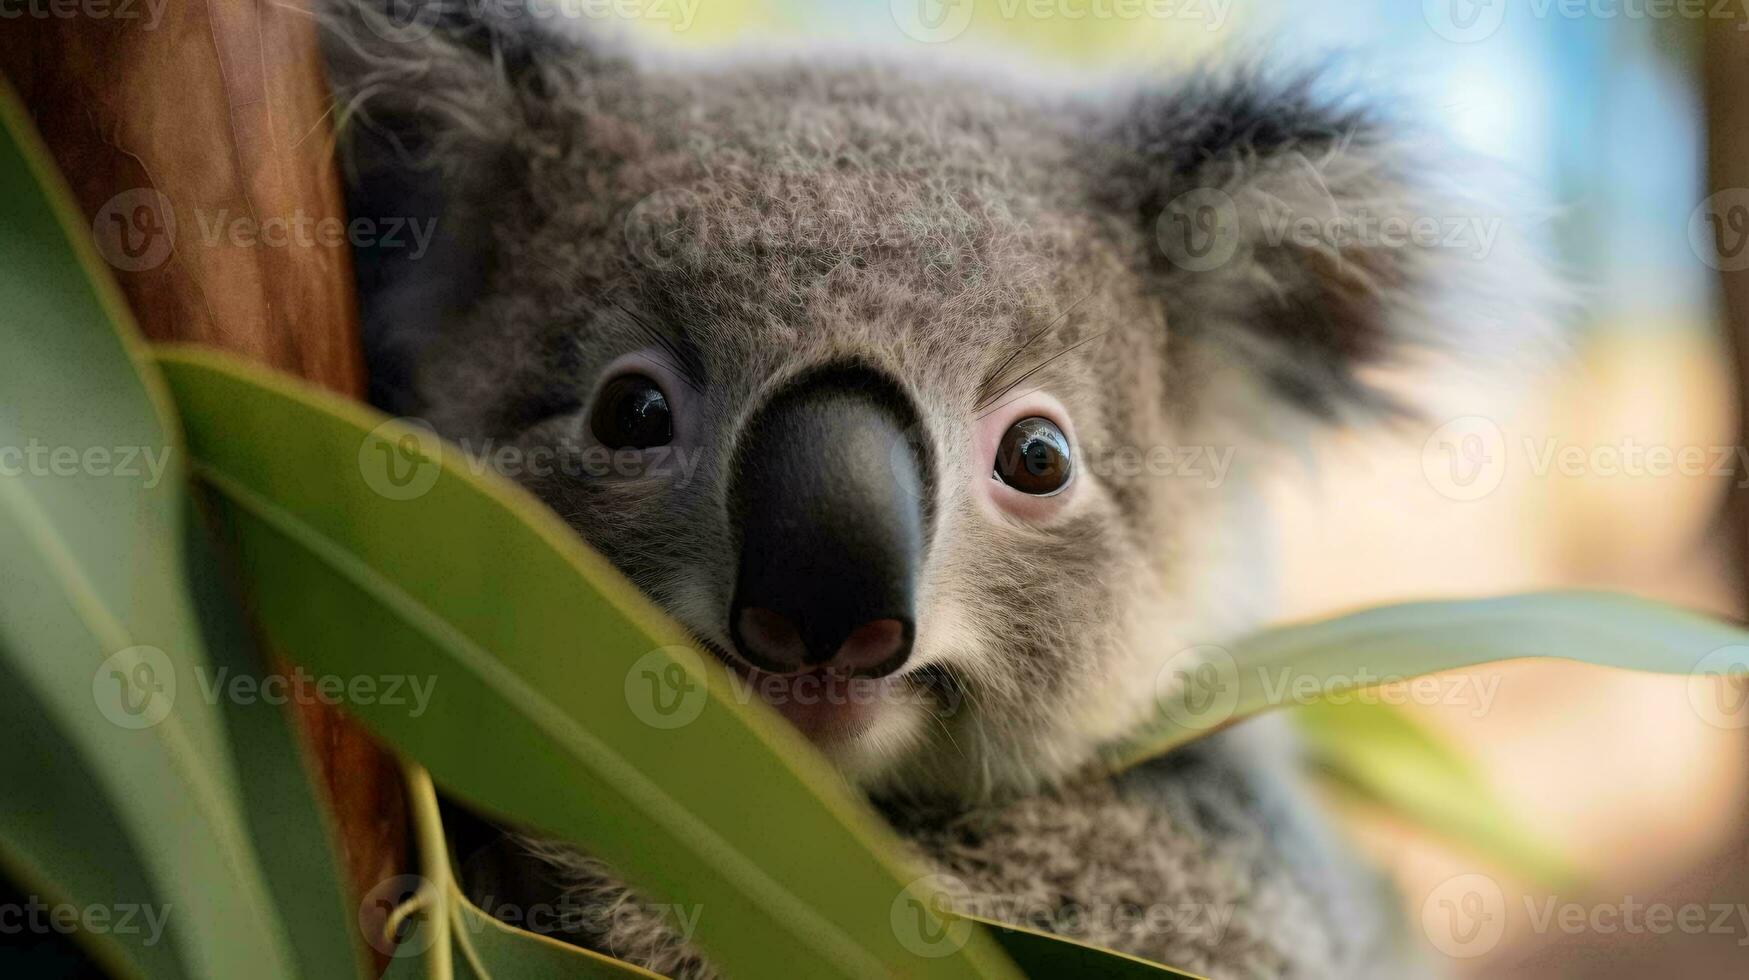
(878, 375)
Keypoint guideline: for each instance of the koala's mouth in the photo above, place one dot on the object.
(825, 705)
(832, 707)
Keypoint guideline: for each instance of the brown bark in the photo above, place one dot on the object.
(220, 108)
(1725, 73)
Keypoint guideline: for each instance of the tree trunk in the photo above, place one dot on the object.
(199, 145)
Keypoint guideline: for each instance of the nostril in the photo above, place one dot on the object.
(770, 640)
(874, 647)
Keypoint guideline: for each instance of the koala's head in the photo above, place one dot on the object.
(930, 406)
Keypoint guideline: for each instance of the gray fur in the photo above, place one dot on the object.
(972, 241)
(1209, 860)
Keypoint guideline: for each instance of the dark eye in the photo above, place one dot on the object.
(632, 413)
(1033, 457)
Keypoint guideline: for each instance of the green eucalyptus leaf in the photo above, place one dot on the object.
(60, 848)
(1040, 954)
(558, 695)
(1207, 687)
(468, 942)
(127, 799)
(291, 830)
(481, 946)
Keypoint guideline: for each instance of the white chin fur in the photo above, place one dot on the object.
(871, 756)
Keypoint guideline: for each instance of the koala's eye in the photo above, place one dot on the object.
(632, 413)
(1033, 457)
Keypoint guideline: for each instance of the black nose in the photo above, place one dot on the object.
(829, 498)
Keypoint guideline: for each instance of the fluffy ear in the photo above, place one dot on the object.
(1298, 242)
(438, 112)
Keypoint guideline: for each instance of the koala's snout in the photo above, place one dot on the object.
(829, 498)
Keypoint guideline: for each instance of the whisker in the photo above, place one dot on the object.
(1037, 368)
(997, 408)
(682, 364)
(1026, 345)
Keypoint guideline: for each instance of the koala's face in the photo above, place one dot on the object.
(867, 379)
(838, 394)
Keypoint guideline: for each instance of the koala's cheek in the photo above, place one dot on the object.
(945, 632)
